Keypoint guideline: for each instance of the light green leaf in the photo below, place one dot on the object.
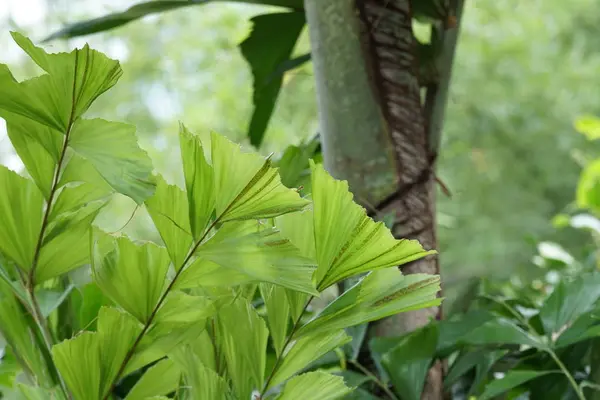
(246, 186)
(266, 256)
(74, 196)
(38, 393)
(66, 244)
(132, 275)
(89, 363)
(168, 209)
(199, 181)
(182, 307)
(113, 150)
(348, 242)
(512, 379)
(204, 383)
(589, 126)
(21, 206)
(209, 274)
(242, 335)
(588, 188)
(305, 351)
(570, 300)
(380, 294)
(278, 313)
(38, 147)
(160, 379)
(297, 302)
(73, 81)
(50, 300)
(315, 385)
(299, 228)
(407, 364)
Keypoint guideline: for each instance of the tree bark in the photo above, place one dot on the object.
(373, 127)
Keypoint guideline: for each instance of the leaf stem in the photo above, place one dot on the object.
(566, 372)
(285, 344)
(148, 323)
(374, 378)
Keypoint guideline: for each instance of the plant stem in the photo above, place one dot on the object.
(565, 371)
(285, 344)
(375, 379)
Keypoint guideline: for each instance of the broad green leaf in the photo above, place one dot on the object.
(265, 256)
(113, 150)
(39, 393)
(314, 385)
(89, 363)
(246, 186)
(589, 126)
(73, 81)
(278, 313)
(132, 275)
(242, 335)
(169, 211)
(204, 383)
(66, 243)
(569, 300)
(160, 379)
(74, 196)
(408, 363)
(380, 294)
(199, 181)
(200, 350)
(38, 147)
(270, 44)
(585, 327)
(78, 361)
(209, 274)
(481, 359)
(348, 242)
(297, 302)
(305, 351)
(452, 330)
(500, 331)
(512, 379)
(21, 207)
(142, 9)
(299, 229)
(186, 308)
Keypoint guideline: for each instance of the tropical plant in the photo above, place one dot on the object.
(222, 307)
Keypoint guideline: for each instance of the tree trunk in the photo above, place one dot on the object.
(373, 129)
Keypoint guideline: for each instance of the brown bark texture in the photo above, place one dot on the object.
(389, 42)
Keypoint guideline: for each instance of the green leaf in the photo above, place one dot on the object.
(73, 81)
(113, 150)
(314, 385)
(481, 359)
(50, 300)
(205, 273)
(160, 379)
(21, 215)
(38, 147)
(589, 126)
(278, 313)
(293, 164)
(132, 275)
(452, 330)
(568, 301)
(265, 256)
(270, 44)
(111, 21)
(380, 294)
(66, 244)
(199, 181)
(501, 331)
(89, 363)
(305, 351)
(588, 188)
(242, 335)
(169, 211)
(512, 379)
(74, 196)
(585, 327)
(348, 242)
(408, 363)
(246, 186)
(202, 382)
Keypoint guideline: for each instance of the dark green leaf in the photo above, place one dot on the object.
(408, 362)
(140, 10)
(270, 45)
(511, 380)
